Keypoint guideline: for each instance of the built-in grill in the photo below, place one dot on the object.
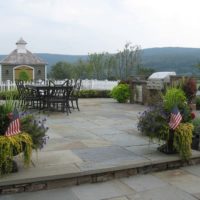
(158, 80)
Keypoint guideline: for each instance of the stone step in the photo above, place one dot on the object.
(14, 183)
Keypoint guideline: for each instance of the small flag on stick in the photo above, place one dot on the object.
(14, 126)
(175, 118)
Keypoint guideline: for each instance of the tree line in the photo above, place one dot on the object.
(119, 66)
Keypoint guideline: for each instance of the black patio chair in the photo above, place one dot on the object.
(51, 83)
(74, 96)
(33, 99)
(58, 99)
(20, 89)
(29, 97)
(66, 83)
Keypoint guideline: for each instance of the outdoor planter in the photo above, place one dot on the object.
(20, 133)
(170, 122)
(168, 147)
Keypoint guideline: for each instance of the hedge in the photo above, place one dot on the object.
(95, 94)
(83, 94)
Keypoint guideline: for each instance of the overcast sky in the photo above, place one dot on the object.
(88, 26)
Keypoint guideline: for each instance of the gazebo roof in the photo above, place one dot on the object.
(15, 58)
(21, 56)
(21, 41)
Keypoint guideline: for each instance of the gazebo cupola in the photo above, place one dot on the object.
(21, 46)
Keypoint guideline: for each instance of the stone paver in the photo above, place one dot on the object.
(162, 193)
(195, 170)
(143, 150)
(144, 182)
(60, 157)
(126, 140)
(101, 190)
(58, 194)
(103, 154)
(96, 143)
(181, 179)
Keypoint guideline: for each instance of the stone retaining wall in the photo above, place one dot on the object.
(94, 178)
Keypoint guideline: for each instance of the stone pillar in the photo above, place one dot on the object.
(133, 90)
(145, 94)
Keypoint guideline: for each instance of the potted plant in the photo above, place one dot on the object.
(12, 140)
(20, 133)
(170, 123)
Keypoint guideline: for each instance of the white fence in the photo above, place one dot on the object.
(86, 84)
(98, 85)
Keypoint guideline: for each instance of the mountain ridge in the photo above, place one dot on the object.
(180, 59)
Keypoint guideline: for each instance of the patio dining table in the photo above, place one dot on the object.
(52, 95)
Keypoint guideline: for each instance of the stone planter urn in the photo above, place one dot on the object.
(168, 147)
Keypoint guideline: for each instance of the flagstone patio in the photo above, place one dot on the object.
(101, 138)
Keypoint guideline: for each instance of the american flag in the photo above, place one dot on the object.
(14, 126)
(175, 118)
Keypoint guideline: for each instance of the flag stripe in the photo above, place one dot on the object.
(14, 126)
(175, 118)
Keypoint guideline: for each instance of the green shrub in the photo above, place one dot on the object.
(94, 94)
(9, 94)
(174, 97)
(121, 93)
(23, 76)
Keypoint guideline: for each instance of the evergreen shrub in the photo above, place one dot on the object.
(121, 93)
